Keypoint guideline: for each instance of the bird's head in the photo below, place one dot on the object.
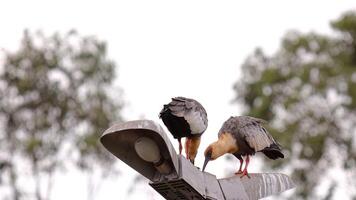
(225, 144)
(212, 152)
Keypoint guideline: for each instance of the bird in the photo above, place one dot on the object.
(243, 136)
(185, 118)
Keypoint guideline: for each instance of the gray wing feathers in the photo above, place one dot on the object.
(256, 137)
(182, 105)
(178, 108)
(246, 120)
(191, 110)
(250, 129)
(236, 123)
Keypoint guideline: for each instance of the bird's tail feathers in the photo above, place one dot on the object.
(273, 152)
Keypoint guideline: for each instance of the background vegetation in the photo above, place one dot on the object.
(307, 90)
(54, 105)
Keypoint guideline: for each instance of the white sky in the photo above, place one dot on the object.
(170, 48)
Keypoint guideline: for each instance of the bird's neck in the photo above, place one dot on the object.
(225, 144)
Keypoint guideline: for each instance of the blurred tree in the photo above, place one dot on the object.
(307, 90)
(55, 103)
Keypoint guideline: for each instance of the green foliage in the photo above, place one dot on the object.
(307, 90)
(54, 105)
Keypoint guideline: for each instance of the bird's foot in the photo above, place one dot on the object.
(187, 157)
(245, 173)
(192, 161)
(238, 172)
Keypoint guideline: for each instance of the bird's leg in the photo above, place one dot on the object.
(244, 172)
(187, 144)
(192, 148)
(240, 168)
(180, 146)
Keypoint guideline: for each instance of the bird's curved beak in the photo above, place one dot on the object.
(207, 159)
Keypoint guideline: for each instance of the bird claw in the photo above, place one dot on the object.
(245, 173)
(238, 172)
(187, 157)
